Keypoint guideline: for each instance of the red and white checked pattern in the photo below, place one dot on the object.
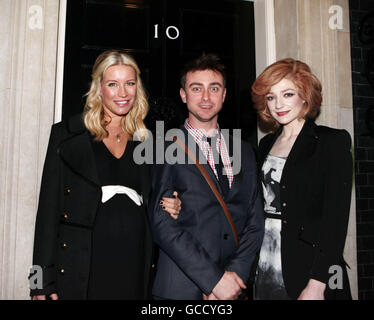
(200, 138)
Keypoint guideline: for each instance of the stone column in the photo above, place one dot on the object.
(265, 39)
(317, 32)
(28, 44)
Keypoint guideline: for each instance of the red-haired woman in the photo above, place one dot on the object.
(306, 174)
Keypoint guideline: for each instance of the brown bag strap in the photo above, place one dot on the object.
(211, 185)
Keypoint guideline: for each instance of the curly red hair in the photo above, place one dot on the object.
(309, 89)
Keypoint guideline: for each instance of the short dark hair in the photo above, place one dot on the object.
(208, 61)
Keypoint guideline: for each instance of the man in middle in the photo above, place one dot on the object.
(199, 254)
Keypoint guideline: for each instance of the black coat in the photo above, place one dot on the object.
(69, 197)
(315, 196)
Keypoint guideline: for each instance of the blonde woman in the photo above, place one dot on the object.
(92, 237)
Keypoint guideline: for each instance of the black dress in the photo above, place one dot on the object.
(118, 241)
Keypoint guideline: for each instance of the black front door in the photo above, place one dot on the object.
(163, 35)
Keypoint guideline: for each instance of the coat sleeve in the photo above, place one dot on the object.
(181, 246)
(47, 217)
(336, 205)
(250, 239)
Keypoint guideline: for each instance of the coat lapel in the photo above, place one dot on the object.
(210, 171)
(235, 149)
(76, 151)
(304, 146)
(267, 147)
(305, 143)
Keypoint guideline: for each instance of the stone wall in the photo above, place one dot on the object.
(28, 46)
(363, 102)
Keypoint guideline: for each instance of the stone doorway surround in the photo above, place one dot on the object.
(28, 51)
(31, 66)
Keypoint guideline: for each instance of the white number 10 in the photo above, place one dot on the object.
(167, 32)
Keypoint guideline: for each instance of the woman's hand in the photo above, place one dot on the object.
(53, 296)
(313, 291)
(172, 205)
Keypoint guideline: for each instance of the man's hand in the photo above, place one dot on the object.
(209, 297)
(229, 287)
(53, 296)
(313, 291)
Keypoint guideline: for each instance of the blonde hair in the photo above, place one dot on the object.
(93, 109)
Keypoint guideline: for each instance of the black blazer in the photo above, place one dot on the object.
(315, 196)
(69, 197)
(197, 248)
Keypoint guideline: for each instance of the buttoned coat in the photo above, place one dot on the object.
(69, 197)
(197, 248)
(315, 196)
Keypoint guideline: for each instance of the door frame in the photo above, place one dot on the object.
(265, 42)
(60, 61)
(265, 50)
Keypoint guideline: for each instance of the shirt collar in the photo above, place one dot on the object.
(200, 134)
